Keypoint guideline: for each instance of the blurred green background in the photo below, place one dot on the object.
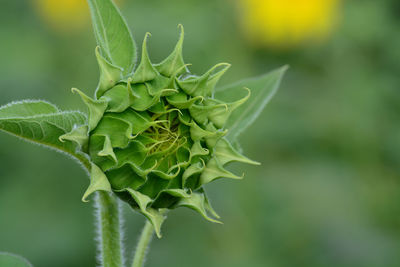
(327, 193)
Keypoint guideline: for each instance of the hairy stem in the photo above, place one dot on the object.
(143, 245)
(109, 230)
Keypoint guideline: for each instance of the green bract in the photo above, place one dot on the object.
(156, 137)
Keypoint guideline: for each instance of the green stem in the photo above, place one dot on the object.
(143, 245)
(109, 232)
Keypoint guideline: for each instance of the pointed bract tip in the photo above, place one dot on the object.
(144, 45)
(182, 33)
(146, 36)
(285, 67)
(225, 67)
(97, 50)
(248, 93)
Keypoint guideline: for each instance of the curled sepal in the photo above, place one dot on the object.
(221, 114)
(117, 128)
(211, 141)
(168, 197)
(198, 203)
(214, 170)
(225, 153)
(192, 170)
(203, 85)
(198, 150)
(97, 144)
(181, 100)
(173, 64)
(96, 108)
(193, 85)
(198, 133)
(107, 150)
(144, 100)
(98, 182)
(78, 135)
(170, 174)
(201, 113)
(119, 97)
(175, 193)
(109, 74)
(156, 217)
(159, 84)
(145, 71)
(134, 153)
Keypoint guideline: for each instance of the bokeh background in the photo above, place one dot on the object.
(328, 191)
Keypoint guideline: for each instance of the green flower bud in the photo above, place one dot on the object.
(156, 137)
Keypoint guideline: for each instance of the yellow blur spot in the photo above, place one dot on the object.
(287, 23)
(64, 15)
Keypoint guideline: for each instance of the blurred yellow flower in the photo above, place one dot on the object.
(64, 15)
(287, 23)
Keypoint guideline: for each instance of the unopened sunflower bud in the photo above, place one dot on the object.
(156, 137)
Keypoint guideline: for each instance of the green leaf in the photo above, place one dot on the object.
(11, 260)
(262, 88)
(42, 123)
(113, 35)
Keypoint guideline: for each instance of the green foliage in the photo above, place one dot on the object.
(11, 260)
(263, 88)
(42, 123)
(113, 35)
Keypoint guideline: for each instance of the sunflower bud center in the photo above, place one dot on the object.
(165, 133)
